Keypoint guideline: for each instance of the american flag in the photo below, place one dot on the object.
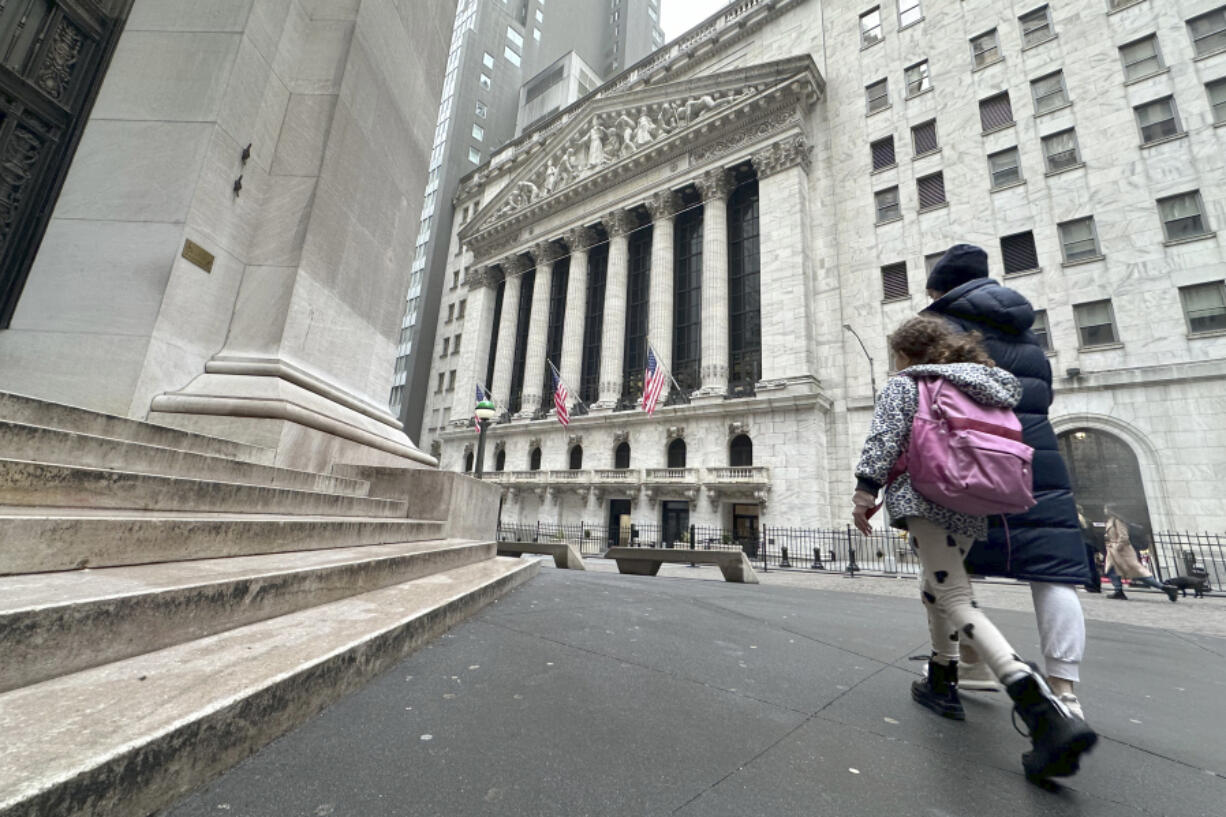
(653, 382)
(560, 396)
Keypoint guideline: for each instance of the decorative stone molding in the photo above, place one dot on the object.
(574, 439)
(675, 433)
(736, 429)
(761, 129)
(663, 204)
(482, 277)
(580, 238)
(436, 448)
(545, 252)
(778, 156)
(620, 437)
(468, 449)
(714, 184)
(500, 446)
(617, 223)
(515, 265)
(534, 442)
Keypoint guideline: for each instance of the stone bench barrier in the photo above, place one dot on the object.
(565, 556)
(646, 561)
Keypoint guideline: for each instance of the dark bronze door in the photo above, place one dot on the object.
(53, 54)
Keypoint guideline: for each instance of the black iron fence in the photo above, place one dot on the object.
(886, 552)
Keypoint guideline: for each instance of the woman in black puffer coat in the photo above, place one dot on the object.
(1043, 545)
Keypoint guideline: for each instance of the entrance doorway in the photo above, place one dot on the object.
(1103, 469)
(674, 521)
(745, 528)
(617, 509)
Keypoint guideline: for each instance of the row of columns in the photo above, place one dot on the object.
(714, 187)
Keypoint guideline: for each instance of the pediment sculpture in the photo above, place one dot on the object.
(609, 137)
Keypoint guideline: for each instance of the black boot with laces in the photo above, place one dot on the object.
(1058, 737)
(939, 690)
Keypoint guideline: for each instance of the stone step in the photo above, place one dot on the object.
(130, 737)
(21, 409)
(38, 484)
(53, 624)
(34, 443)
(53, 539)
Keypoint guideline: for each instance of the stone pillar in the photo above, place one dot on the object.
(478, 327)
(714, 186)
(789, 349)
(545, 254)
(663, 207)
(504, 356)
(612, 339)
(579, 240)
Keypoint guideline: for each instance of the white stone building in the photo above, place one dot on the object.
(784, 173)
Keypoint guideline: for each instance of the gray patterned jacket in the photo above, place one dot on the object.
(890, 435)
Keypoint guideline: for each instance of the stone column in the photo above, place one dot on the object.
(545, 254)
(579, 240)
(789, 348)
(478, 327)
(504, 356)
(714, 185)
(663, 207)
(612, 339)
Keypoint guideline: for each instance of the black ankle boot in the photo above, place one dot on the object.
(1058, 737)
(939, 691)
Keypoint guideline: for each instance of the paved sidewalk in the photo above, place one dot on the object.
(591, 693)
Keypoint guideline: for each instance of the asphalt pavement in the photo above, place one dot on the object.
(592, 693)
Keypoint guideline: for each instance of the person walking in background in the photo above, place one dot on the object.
(1122, 562)
(1042, 546)
(941, 536)
(1095, 584)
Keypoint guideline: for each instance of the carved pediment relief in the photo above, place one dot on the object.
(615, 133)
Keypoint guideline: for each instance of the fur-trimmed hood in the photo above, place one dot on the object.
(986, 385)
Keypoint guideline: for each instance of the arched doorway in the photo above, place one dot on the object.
(468, 461)
(500, 460)
(576, 458)
(621, 456)
(676, 454)
(534, 459)
(1103, 468)
(740, 452)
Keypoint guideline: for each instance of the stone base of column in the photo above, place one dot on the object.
(799, 384)
(602, 406)
(706, 396)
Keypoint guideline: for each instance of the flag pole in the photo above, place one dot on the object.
(669, 372)
(574, 394)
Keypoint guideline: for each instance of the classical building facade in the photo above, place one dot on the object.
(759, 196)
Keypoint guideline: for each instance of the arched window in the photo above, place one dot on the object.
(621, 456)
(676, 454)
(500, 460)
(740, 451)
(468, 461)
(534, 459)
(576, 458)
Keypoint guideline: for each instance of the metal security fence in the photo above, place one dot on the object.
(1190, 554)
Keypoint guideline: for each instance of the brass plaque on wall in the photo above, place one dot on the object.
(198, 255)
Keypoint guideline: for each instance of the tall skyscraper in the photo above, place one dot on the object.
(497, 46)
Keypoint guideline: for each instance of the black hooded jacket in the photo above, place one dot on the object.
(1044, 543)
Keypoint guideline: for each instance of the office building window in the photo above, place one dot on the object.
(1182, 216)
(878, 95)
(485, 82)
(1157, 120)
(909, 12)
(1036, 26)
(1208, 32)
(1204, 306)
(478, 132)
(536, 34)
(924, 138)
(930, 261)
(446, 347)
(870, 27)
(985, 49)
(1042, 331)
(1141, 58)
(931, 191)
(455, 344)
(995, 112)
(487, 59)
(888, 207)
(511, 56)
(1049, 93)
(482, 111)
(438, 389)
(515, 37)
(474, 156)
(1005, 167)
(883, 153)
(540, 16)
(894, 281)
(1217, 98)
(1060, 151)
(451, 380)
(1019, 253)
(1095, 323)
(1078, 239)
(1115, 5)
(918, 78)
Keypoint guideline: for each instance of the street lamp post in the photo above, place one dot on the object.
(872, 378)
(485, 412)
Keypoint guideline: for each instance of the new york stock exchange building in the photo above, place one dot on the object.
(758, 197)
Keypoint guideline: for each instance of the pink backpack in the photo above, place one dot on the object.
(967, 456)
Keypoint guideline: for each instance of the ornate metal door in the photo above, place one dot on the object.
(53, 54)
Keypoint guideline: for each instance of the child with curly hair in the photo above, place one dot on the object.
(927, 347)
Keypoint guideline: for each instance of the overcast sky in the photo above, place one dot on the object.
(679, 16)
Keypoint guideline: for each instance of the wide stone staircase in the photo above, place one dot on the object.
(170, 602)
